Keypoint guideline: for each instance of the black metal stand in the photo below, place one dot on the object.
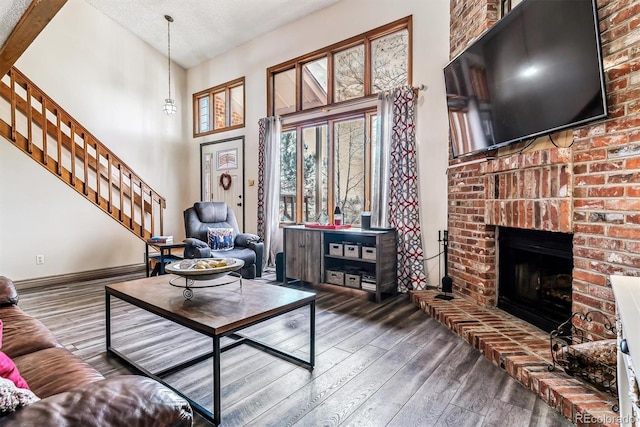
(447, 282)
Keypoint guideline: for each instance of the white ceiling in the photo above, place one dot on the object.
(203, 29)
(10, 13)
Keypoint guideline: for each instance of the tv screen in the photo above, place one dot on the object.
(536, 71)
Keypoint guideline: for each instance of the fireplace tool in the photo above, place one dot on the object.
(447, 282)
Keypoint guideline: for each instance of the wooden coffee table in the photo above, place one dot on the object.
(216, 312)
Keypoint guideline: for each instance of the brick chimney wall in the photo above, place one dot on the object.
(591, 189)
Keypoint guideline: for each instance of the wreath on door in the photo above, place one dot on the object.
(225, 181)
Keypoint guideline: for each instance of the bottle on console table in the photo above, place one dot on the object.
(337, 216)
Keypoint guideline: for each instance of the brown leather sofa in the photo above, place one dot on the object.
(72, 392)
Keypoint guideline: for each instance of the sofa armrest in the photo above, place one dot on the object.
(124, 400)
(8, 292)
(252, 241)
(258, 248)
(196, 248)
(244, 239)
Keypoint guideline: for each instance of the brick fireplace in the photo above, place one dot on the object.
(585, 184)
(588, 185)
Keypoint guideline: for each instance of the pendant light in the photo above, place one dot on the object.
(169, 104)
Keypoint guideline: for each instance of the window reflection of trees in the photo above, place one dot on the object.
(360, 67)
(349, 167)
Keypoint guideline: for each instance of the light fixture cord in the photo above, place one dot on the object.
(169, 55)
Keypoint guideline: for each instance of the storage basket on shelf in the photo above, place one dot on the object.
(335, 277)
(579, 355)
(351, 250)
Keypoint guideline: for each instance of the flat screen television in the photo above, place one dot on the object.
(536, 71)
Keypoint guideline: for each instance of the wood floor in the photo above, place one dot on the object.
(383, 364)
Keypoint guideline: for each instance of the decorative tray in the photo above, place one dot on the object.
(328, 226)
(204, 268)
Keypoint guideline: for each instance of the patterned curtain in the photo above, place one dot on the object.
(269, 187)
(395, 198)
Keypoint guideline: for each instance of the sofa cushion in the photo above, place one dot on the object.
(12, 397)
(54, 370)
(24, 334)
(220, 239)
(8, 293)
(9, 371)
(123, 400)
(211, 211)
(245, 254)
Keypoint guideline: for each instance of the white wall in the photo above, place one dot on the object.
(341, 21)
(115, 85)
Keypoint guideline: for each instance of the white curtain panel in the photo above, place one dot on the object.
(269, 187)
(395, 198)
(381, 179)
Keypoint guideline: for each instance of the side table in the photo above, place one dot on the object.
(165, 255)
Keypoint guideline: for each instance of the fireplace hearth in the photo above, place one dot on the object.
(535, 275)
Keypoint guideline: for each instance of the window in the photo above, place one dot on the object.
(355, 68)
(284, 91)
(389, 59)
(219, 108)
(314, 83)
(348, 73)
(327, 164)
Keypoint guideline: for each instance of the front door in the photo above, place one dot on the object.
(222, 178)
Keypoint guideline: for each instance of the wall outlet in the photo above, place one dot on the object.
(39, 259)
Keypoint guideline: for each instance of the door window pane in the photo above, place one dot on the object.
(237, 105)
(349, 168)
(284, 90)
(288, 176)
(314, 170)
(220, 110)
(314, 83)
(390, 59)
(349, 74)
(203, 113)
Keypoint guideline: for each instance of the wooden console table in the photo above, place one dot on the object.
(352, 257)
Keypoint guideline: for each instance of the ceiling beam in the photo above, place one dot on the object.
(35, 18)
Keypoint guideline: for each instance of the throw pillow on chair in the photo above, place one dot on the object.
(220, 239)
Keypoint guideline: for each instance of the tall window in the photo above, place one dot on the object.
(219, 108)
(328, 162)
(361, 66)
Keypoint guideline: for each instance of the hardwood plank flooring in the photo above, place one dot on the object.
(386, 364)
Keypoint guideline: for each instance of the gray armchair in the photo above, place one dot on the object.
(205, 215)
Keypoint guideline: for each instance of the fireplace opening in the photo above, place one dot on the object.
(534, 275)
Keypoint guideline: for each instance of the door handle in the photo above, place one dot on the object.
(239, 204)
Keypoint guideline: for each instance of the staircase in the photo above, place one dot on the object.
(39, 127)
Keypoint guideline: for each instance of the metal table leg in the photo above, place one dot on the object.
(216, 381)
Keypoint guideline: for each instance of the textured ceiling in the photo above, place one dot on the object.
(10, 13)
(203, 29)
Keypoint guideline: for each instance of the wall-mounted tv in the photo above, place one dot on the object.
(536, 71)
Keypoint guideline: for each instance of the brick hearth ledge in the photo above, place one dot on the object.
(523, 351)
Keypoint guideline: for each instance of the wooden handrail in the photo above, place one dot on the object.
(103, 172)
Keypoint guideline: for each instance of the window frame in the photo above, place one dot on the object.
(210, 93)
(328, 51)
(367, 114)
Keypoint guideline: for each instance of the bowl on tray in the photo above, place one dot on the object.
(204, 268)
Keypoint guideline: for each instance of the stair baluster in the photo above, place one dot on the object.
(96, 160)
